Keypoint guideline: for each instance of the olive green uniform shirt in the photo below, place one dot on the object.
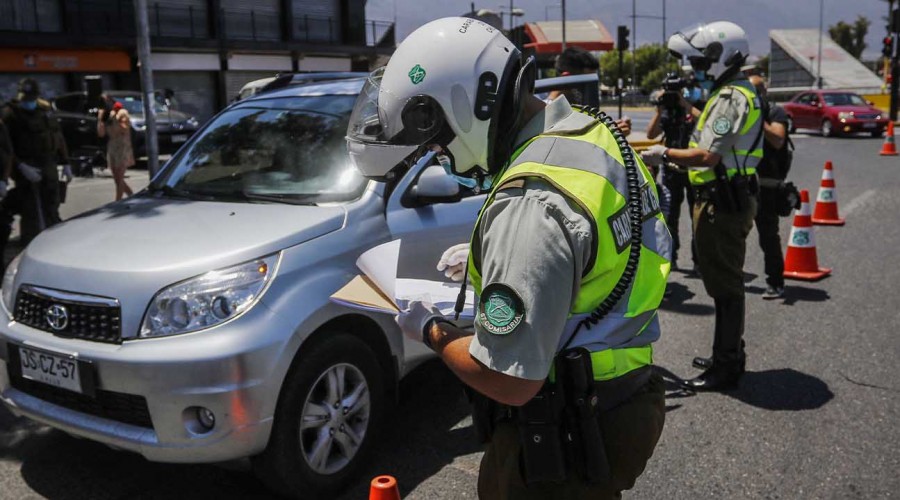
(720, 133)
(537, 243)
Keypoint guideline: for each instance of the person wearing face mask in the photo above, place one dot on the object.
(722, 156)
(30, 156)
(569, 259)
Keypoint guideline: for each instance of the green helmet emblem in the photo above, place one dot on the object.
(417, 74)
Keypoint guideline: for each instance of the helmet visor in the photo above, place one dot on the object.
(385, 129)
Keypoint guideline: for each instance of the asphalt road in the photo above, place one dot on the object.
(816, 416)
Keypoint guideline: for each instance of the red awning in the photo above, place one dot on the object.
(589, 34)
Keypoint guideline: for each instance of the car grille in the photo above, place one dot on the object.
(870, 116)
(87, 317)
(117, 406)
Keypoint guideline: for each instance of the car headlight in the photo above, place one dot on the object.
(7, 288)
(844, 115)
(193, 122)
(209, 299)
(139, 125)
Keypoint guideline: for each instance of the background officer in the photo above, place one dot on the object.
(553, 241)
(724, 151)
(32, 147)
(772, 171)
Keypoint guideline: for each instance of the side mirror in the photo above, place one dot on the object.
(870, 103)
(435, 186)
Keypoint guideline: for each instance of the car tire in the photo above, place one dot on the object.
(290, 465)
(827, 129)
(790, 125)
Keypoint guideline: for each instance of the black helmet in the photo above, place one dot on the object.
(29, 89)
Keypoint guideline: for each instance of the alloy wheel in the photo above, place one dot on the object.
(335, 418)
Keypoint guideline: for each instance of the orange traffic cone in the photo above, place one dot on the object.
(889, 148)
(800, 261)
(826, 212)
(384, 488)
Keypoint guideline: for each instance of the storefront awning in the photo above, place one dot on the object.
(60, 60)
(589, 34)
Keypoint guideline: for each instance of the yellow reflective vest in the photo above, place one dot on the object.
(582, 160)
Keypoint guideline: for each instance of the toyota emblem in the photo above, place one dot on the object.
(57, 317)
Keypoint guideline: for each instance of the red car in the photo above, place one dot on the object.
(834, 112)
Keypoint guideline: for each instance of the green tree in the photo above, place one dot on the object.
(851, 37)
(653, 63)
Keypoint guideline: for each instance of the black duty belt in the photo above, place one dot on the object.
(611, 393)
(705, 192)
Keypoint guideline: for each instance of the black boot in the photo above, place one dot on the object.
(728, 362)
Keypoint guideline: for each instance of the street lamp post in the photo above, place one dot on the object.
(563, 24)
(819, 61)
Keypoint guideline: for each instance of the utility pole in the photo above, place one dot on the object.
(563, 25)
(622, 46)
(633, 58)
(819, 60)
(143, 46)
(894, 22)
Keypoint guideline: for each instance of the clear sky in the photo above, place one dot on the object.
(757, 17)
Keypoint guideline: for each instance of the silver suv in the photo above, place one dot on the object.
(192, 322)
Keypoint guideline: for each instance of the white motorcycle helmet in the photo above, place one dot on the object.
(451, 83)
(714, 47)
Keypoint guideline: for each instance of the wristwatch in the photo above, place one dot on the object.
(426, 337)
(665, 157)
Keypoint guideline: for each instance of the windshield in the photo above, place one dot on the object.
(135, 105)
(843, 100)
(289, 150)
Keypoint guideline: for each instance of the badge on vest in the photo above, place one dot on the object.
(500, 310)
(722, 125)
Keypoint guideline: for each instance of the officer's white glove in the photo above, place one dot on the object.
(453, 261)
(2, 189)
(33, 174)
(413, 320)
(653, 156)
(67, 173)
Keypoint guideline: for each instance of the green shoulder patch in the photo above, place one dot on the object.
(500, 309)
(722, 125)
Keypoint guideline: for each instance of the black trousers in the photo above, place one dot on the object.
(681, 189)
(769, 239)
(36, 203)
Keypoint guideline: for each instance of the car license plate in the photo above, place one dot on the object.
(52, 369)
(870, 125)
(179, 138)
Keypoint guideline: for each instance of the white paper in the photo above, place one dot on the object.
(380, 265)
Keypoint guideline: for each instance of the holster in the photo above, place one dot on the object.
(542, 436)
(582, 415)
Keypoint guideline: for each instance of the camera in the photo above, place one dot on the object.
(672, 86)
(672, 116)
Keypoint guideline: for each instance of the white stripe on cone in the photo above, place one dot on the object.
(828, 175)
(804, 209)
(802, 237)
(827, 195)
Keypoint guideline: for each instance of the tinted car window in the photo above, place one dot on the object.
(287, 149)
(70, 103)
(804, 99)
(844, 100)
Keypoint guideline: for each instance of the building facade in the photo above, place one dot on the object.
(203, 50)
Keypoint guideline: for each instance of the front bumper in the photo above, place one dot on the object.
(230, 369)
(853, 126)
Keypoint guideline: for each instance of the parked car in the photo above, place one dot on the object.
(834, 112)
(194, 323)
(283, 80)
(78, 120)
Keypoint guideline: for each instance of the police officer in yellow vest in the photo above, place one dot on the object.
(569, 260)
(722, 157)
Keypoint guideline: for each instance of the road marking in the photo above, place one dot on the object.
(858, 202)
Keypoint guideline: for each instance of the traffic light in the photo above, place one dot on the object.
(623, 38)
(888, 48)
